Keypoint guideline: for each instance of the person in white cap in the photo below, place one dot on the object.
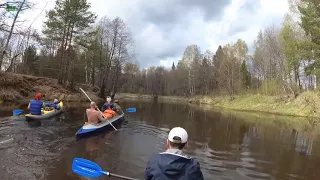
(108, 105)
(173, 164)
(56, 104)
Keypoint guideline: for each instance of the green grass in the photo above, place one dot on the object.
(306, 104)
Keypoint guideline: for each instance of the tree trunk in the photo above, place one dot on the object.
(10, 34)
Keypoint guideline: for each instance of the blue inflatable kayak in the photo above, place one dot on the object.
(91, 128)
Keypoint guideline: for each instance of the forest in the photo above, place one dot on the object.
(77, 46)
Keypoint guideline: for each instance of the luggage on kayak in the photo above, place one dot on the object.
(109, 113)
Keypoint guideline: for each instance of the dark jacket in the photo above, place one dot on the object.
(35, 107)
(172, 165)
(106, 106)
(55, 105)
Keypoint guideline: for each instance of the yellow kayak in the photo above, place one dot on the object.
(46, 113)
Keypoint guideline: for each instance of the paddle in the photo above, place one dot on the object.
(17, 112)
(98, 109)
(131, 110)
(90, 169)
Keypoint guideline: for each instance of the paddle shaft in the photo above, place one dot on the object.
(119, 176)
(97, 108)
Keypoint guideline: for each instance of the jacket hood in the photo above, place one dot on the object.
(173, 165)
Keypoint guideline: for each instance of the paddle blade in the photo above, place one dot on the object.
(86, 168)
(131, 110)
(17, 112)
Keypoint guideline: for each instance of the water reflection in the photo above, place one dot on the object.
(228, 145)
(260, 147)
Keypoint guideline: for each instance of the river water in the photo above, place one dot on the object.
(228, 145)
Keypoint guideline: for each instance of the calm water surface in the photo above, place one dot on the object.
(227, 145)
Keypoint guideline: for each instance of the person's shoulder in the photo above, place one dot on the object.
(194, 162)
(154, 158)
(194, 169)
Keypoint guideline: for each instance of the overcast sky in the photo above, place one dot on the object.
(163, 29)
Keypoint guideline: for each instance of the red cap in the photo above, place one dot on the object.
(37, 96)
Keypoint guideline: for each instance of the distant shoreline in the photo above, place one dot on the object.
(19, 88)
(306, 104)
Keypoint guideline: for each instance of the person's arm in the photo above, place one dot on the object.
(195, 172)
(103, 108)
(113, 107)
(100, 116)
(29, 106)
(147, 172)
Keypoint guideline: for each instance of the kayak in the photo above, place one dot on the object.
(91, 128)
(45, 113)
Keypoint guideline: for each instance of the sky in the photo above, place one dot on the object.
(163, 29)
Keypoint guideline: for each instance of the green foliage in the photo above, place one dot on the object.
(245, 76)
(74, 51)
(30, 61)
(270, 87)
(310, 22)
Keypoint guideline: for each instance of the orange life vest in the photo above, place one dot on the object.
(109, 113)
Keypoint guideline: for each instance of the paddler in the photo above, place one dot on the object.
(117, 107)
(173, 164)
(108, 105)
(55, 104)
(35, 105)
(94, 116)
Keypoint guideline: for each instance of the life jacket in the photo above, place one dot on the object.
(35, 107)
(109, 113)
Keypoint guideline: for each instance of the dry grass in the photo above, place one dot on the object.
(15, 87)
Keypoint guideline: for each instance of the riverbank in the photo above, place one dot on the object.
(306, 104)
(21, 88)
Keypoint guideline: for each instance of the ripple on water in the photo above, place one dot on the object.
(220, 163)
(156, 136)
(26, 147)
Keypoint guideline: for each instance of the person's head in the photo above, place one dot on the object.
(177, 138)
(108, 99)
(37, 96)
(55, 100)
(93, 105)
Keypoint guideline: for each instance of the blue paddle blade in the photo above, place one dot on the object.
(131, 110)
(17, 112)
(86, 168)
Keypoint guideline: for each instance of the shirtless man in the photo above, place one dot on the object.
(94, 116)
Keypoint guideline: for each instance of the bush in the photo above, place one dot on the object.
(270, 87)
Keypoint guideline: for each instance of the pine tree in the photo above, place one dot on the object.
(245, 76)
(310, 22)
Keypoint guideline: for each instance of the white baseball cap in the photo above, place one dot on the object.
(178, 135)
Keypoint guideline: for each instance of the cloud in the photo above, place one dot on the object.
(163, 29)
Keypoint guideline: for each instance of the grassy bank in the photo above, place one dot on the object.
(306, 104)
(22, 88)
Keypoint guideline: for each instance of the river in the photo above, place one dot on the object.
(228, 145)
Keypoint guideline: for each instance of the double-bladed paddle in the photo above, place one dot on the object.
(90, 169)
(17, 112)
(131, 110)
